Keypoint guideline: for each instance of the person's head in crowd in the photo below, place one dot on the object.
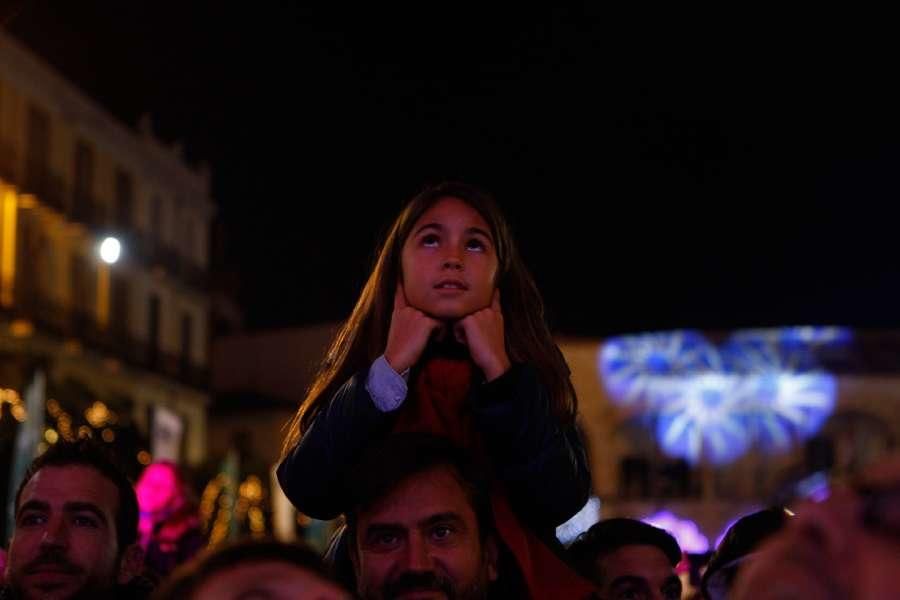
(252, 570)
(846, 547)
(738, 547)
(75, 526)
(628, 560)
(163, 494)
(421, 522)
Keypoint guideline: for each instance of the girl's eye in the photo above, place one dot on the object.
(430, 240)
(475, 244)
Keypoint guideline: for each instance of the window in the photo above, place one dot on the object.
(120, 301)
(153, 329)
(38, 157)
(83, 189)
(190, 241)
(156, 218)
(81, 289)
(187, 325)
(124, 199)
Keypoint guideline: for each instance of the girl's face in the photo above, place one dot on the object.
(449, 263)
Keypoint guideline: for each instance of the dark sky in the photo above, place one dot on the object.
(692, 173)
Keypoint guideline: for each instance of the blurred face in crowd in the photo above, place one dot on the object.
(847, 547)
(422, 541)
(637, 572)
(64, 545)
(268, 580)
(157, 487)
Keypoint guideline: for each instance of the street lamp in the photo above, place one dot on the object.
(110, 250)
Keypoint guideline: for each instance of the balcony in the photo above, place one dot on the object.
(85, 210)
(114, 341)
(8, 162)
(154, 253)
(82, 207)
(48, 186)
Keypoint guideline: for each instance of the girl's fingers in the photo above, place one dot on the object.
(399, 297)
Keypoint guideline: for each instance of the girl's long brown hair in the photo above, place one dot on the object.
(363, 337)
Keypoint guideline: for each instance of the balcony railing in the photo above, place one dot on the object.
(154, 253)
(81, 207)
(113, 341)
(48, 186)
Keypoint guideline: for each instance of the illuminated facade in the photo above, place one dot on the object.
(709, 427)
(130, 338)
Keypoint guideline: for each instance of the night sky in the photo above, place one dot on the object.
(708, 173)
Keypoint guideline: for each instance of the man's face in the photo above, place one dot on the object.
(64, 545)
(847, 546)
(269, 580)
(637, 572)
(422, 541)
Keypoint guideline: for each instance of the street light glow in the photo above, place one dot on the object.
(110, 249)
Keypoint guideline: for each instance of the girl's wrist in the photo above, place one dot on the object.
(498, 369)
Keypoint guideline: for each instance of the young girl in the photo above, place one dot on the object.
(448, 337)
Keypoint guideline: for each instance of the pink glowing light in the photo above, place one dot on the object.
(160, 494)
(157, 487)
(685, 531)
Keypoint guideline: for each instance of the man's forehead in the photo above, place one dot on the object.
(421, 496)
(57, 485)
(635, 558)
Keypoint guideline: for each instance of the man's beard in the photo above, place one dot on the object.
(431, 581)
(91, 588)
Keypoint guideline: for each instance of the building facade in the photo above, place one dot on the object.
(130, 339)
(704, 428)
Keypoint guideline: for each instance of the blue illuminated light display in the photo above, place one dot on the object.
(632, 366)
(760, 388)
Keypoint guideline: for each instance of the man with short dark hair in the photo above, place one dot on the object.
(422, 523)
(628, 559)
(75, 529)
(737, 550)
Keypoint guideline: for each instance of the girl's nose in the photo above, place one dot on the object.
(451, 262)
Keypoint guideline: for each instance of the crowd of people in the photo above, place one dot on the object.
(441, 430)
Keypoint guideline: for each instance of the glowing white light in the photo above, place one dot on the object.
(704, 416)
(110, 249)
(580, 522)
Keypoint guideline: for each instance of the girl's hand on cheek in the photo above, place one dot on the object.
(483, 333)
(409, 333)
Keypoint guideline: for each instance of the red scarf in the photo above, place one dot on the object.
(437, 405)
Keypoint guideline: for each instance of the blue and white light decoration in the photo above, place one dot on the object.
(634, 366)
(761, 388)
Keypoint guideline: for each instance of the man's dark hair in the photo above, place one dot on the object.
(90, 454)
(741, 539)
(401, 456)
(605, 537)
(185, 580)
